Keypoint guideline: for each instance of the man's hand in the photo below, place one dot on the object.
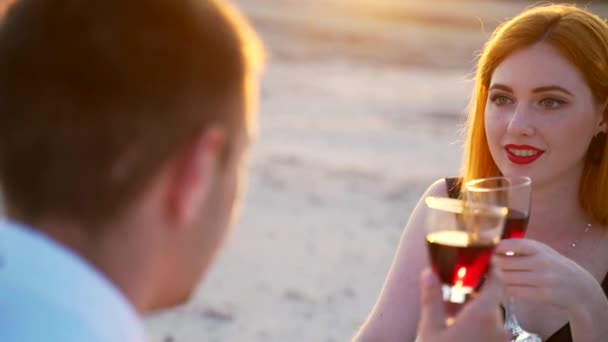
(479, 319)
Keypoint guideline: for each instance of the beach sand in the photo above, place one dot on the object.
(363, 103)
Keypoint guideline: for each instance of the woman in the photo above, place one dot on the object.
(538, 110)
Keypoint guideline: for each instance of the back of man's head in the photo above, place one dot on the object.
(96, 95)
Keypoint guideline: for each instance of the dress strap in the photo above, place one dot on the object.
(453, 185)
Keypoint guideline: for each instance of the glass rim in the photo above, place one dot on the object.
(457, 206)
(471, 185)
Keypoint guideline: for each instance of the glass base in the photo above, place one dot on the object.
(517, 334)
(454, 298)
(456, 294)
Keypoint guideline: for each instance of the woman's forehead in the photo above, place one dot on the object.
(536, 66)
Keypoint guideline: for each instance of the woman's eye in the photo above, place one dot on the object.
(550, 103)
(501, 100)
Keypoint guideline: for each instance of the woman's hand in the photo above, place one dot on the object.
(534, 271)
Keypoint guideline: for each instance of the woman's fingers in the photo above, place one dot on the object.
(522, 278)
(515, 263)
(532, 293)
(493, 288)
(517, 247)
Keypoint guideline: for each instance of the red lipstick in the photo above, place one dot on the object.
(521, 160)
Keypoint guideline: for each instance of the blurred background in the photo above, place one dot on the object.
(363, 103)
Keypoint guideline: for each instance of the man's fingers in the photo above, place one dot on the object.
(432, 314)
(485, 307)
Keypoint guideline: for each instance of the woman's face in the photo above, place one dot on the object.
(540, 116)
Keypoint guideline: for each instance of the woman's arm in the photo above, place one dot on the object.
(396, 313)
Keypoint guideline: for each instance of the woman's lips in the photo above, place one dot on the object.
(523, 154)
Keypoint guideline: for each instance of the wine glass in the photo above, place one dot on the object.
(461, 238)
(514, 193)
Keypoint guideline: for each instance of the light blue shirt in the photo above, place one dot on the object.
(50, 294)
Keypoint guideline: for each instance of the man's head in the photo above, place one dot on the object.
(128, 118)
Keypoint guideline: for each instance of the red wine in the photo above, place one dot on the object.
(458, 261)
(515, 225)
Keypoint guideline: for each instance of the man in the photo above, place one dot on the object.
(124, 129)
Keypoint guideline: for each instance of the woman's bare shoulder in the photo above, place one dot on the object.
(438, 188)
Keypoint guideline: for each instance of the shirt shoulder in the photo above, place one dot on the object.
(50, 293)
(26, 317)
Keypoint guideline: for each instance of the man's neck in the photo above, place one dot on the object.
(116, 253)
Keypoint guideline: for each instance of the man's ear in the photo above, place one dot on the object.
(603, 124)
(192, 173)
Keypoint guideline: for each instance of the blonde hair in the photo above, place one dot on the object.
(582, 38)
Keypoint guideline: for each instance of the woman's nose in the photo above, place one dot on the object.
(521, 123)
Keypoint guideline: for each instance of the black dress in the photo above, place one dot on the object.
(563, 334)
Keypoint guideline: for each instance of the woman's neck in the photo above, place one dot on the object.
(556, 211)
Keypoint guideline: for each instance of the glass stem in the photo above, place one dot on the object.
(511, 322)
